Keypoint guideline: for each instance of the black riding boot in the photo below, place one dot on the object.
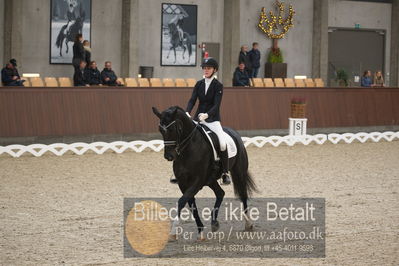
(224, 158)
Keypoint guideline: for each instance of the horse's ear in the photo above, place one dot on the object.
(156, 112)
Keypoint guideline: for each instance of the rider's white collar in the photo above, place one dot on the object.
(208, 83)
(209, 80)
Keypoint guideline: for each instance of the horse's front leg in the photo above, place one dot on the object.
(61, 49)
(187, 195)
(200, 225)
(184, 51)
(219, 193)
(174, 50)
(66, 44)
(169, 52)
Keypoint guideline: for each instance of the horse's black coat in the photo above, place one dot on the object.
(193, 162)
(69, 36)
(176, 42)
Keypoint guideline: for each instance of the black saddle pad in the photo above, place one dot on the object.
(213, 137)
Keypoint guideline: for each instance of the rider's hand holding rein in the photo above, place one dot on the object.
(202, 117)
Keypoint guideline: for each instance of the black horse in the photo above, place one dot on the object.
(175, 42)
(194, 165)
(69, 35)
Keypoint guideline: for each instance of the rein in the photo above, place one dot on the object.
(180, 146)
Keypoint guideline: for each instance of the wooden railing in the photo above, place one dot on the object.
(123, 110)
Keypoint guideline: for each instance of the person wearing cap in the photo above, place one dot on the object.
(10, 75)
(209, 92)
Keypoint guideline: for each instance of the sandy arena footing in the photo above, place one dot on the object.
(68, 210)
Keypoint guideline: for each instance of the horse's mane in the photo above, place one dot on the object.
(178, 108)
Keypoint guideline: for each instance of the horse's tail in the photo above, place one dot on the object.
(61, 36)
(243, 182)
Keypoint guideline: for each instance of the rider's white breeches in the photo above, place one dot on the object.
(217, 128)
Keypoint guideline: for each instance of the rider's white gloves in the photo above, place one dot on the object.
(188, 114)
(202, 117)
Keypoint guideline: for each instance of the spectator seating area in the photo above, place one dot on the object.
(129, 82)
(178, 82)
(287, 82)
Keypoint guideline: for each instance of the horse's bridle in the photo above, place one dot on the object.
(179, 146)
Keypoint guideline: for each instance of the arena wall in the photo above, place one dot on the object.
(209, 29)
(31, 37)
(1, 32)
(296, 46)
(344, 14)
(31, 24)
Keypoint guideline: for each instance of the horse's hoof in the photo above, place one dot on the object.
(172, 238)
(249, 227)
(201, 237)
(215, 226)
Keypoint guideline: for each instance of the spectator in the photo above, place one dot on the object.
(240, 77)
(378, 79)
(366, 79)
(10, 75)
(108, 76)
(86, 46)
(244, 58)
(254, 56)
(78, 52)
(92, 74)
(79, 78)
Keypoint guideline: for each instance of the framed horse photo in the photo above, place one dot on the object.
(68, 18)
(179, 35)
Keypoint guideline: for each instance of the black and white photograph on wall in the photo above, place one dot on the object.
(179, 35)
(68, 18)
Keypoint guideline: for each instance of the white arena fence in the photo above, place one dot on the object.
(81, 148)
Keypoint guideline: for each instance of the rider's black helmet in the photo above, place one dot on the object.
(210, 62)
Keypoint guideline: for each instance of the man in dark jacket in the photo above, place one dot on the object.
(93, 75)
(78, 51)
(10, 75)
(108, 76)
(79, 78)
(240, 77)
(254, 56)
(244, 58)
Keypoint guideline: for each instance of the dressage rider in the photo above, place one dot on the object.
(209, 91)
(178, 21)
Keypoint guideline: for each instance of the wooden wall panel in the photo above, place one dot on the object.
(109, 110)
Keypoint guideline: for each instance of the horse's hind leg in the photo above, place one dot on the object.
(200, 225)
(219, 193)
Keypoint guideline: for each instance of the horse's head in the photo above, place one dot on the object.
(172, 124)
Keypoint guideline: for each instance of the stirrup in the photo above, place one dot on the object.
(173, 181)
